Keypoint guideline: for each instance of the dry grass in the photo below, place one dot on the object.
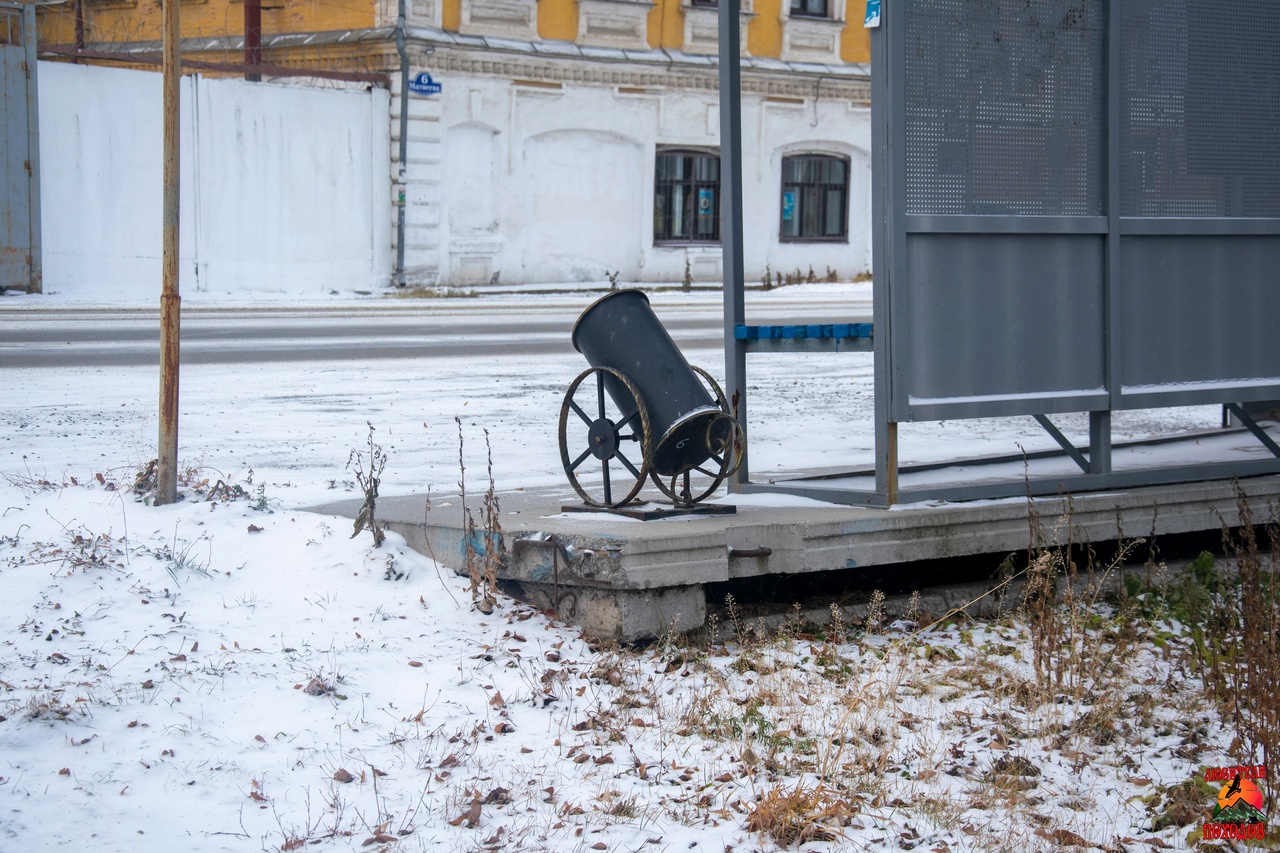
(801, 813)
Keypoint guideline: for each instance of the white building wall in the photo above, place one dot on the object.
(282, 187)
(554, 181)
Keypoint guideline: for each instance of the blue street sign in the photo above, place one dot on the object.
(873, 14)
(424, 85)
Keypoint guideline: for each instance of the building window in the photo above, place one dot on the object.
(712, 3)
(686, 197)
(815, 198)
(809, 9)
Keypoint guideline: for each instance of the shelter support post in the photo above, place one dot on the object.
(1099, 443)
(735, 353)
(887, 460)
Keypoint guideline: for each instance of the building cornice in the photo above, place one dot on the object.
(566, 63)
(558, 62)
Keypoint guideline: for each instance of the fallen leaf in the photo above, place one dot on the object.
(253, 528)
(415, 663)
(1064, 838)
(343, 776)
(501, 796)
(66, 771)
(471, 816)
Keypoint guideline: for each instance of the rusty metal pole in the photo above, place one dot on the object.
(170, 300)
(252, 38)
(78, 8)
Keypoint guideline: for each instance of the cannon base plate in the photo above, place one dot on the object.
(654, 512)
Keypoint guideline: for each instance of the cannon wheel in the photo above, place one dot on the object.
(597, 432)
(681, 488)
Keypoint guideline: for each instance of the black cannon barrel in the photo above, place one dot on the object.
(621, 331)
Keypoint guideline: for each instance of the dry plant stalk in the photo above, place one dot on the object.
(484, 550)
(369, 479)
(1245, 668)
(1060, 611)
(800, 815)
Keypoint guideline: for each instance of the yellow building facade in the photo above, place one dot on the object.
(665, 23)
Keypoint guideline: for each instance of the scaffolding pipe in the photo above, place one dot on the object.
(170, 300)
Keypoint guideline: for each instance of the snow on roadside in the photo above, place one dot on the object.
(235, 674)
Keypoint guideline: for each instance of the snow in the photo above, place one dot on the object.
(202, 676)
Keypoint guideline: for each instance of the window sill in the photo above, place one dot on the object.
(844, 239)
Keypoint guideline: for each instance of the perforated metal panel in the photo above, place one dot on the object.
(1004, 107)
(1077, 208)
(1200, 108)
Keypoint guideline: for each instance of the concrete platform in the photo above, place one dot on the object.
(630, 580)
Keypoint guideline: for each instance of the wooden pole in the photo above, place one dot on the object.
(170, 300)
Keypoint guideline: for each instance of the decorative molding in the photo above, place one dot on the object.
(513, 19)
(425, 13)
(811, 40)
(675, 77)
(614, 23)
(702, 28)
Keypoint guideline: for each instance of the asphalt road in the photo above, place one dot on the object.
(72, 336)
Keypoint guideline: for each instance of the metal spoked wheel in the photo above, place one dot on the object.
(606, 432)
(725, 440)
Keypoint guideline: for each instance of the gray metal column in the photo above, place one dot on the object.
(735, 353)
(397, 277)
(885, 202)
(1099, 442)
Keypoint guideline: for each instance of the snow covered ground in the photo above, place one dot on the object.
(234, 673)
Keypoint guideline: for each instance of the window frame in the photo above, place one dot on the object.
(801, 12)
(691, 185)
(799, 188)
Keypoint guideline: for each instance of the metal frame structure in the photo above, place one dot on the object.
(1074, 211)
